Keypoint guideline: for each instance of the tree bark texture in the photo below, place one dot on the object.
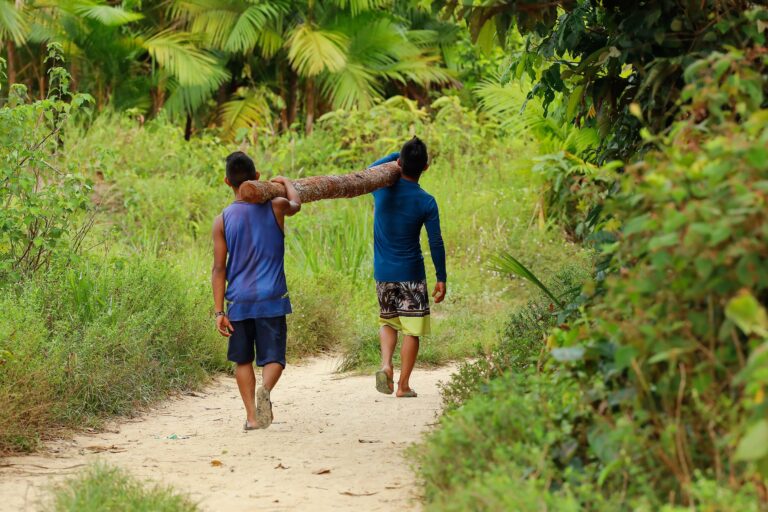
(316, 188)
(11, 49)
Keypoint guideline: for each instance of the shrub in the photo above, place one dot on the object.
(521, 346)
(669, 358)
(681, 332)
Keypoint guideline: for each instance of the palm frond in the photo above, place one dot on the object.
(358, 6)
(184, 100)
(191, 66)
(105, 14)
(312, 51)
(12, 23)
(508, 264)
(248, 32)
(212, 20)
(247, 110)
(355, 85)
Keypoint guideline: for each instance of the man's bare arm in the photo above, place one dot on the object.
(290, 205)
(219, 275)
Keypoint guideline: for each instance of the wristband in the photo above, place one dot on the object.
(220, 313)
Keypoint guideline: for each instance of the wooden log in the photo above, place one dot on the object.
(315, 188)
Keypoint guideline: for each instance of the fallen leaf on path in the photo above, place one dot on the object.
(280, 466)
(216, 463)
(357, 494)
(368, 441)
(323, 471)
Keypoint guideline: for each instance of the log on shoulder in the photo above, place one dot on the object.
(315, 188)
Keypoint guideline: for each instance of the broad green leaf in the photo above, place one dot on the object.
(747, 314)
(754, 445)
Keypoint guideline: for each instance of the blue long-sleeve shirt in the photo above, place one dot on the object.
(399, 213)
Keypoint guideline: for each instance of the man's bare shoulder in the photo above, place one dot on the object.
(218, 223)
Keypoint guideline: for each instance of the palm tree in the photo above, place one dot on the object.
(248, 59)
(332, 54)
(13, 31)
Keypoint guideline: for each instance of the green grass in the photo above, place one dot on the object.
(102, 488)
(99, 338)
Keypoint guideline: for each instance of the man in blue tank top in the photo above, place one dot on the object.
(248, 272)
(400, 211)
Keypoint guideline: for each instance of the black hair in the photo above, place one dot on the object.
(414, 158)
(240, 168)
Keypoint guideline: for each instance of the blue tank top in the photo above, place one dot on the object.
(256, 286)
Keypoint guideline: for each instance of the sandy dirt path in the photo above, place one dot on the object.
(336, 444)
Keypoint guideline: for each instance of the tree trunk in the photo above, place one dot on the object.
(316, 188)
(11, 50)
(293, 93)
(309, 100)
(188, 128)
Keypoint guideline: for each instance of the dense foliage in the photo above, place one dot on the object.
(253, 67)
(611, 58)
(648, 389)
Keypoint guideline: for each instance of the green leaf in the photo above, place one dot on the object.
(506, 263)
(754, 445)
(747, 314)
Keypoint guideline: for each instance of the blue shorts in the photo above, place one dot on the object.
(261, 338)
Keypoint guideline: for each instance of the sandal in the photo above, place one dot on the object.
(383, 383)
(264, 414)
(411, 393)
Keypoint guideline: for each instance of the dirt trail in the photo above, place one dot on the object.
(336, 444)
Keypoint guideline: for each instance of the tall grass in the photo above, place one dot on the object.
(102, 488)
(97, 339)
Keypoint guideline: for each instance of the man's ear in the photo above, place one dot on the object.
(399, 163)
(425, 168)
(258, 175)
(226, 180)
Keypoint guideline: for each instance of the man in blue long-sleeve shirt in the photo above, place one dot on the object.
(399, 213)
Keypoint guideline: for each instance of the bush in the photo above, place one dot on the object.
(99, 339)
(516, 433)
(669, 359)
(101, 488)
(677, 341)
(522, 344)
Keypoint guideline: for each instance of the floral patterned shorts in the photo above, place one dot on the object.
(408, 298)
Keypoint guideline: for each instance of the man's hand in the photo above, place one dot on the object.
(224, 326)
(282, 180)
(439, 293)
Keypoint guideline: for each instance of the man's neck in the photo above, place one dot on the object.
(238, 197)
(408, 178)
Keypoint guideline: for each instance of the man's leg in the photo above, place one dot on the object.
(408, 353)
(270, 374)
(388, 340)
(246, 383)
